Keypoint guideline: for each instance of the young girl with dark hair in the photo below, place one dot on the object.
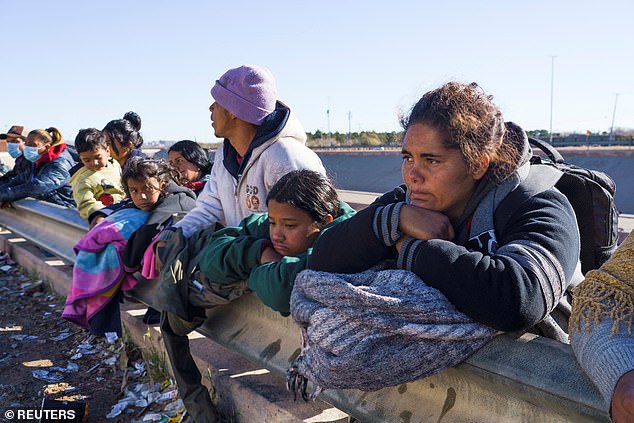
(124, 137)
(270, 249)
(192, 162)
(48, 177)
(111, 252)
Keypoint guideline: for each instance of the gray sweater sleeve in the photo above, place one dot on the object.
(603, 356)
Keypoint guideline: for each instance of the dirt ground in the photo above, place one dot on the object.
(36, 342)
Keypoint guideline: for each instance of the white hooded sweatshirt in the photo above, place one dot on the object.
(228, 199)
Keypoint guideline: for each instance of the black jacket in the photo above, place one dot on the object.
(20, 165)
(513, 289)
(178, 201)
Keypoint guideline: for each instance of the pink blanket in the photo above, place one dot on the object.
(98, 272)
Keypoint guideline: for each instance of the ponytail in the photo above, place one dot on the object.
(126, 131)
(56, 136)
(134, 119)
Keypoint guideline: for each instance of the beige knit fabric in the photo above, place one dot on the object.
(607, 291)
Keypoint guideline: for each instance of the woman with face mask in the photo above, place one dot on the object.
(47, 175)
(15, 138)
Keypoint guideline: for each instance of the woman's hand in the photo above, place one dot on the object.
(269, 255)
(399, 243)
(424, 224)
(622, 405)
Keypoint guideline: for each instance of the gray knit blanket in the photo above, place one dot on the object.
(375, 329)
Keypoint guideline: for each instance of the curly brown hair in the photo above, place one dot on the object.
(468, 120)
(143, 169)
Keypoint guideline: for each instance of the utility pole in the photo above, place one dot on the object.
(552, 85)
(616, 97)
(328, 116)
(349, 126)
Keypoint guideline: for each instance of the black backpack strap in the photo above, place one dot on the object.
(550, 151)
(540, 178)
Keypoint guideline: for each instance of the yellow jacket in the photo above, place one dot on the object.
(94, 190)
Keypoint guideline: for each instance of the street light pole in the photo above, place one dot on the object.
(616, 97)
(328, 116)
(552, 85)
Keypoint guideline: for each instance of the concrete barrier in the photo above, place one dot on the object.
(515, 378)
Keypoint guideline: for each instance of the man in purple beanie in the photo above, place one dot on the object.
(263, 141)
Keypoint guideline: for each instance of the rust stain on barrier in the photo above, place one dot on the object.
(270, 351)
(237, 333)
(362, 400)
(402, 388)
(450, 401)
(406, 416)
(294, 355)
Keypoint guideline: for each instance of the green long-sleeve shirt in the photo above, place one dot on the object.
(234, 255)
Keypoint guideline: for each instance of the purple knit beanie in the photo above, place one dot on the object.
(247, 92)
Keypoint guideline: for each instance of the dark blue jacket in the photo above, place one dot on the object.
(47, 181)
(20, 165)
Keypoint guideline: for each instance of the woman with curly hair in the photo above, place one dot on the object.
(460, 160)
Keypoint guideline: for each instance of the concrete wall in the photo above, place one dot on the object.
(381, 171)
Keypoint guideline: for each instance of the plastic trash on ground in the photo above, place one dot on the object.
(47, 375)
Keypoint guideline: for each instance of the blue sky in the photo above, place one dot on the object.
(77, 64)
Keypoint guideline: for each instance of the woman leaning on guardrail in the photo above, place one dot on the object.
(48, 175)
(459, 161)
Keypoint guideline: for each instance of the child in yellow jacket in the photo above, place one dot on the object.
(98, 183)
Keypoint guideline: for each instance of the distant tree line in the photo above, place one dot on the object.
(363, 138)
(373, 138)
(619, 134)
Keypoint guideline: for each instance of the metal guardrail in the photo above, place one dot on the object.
(49, 226)
(514, 378)
(57, 229)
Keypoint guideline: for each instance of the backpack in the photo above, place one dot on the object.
(590, 192)
(181, 288)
